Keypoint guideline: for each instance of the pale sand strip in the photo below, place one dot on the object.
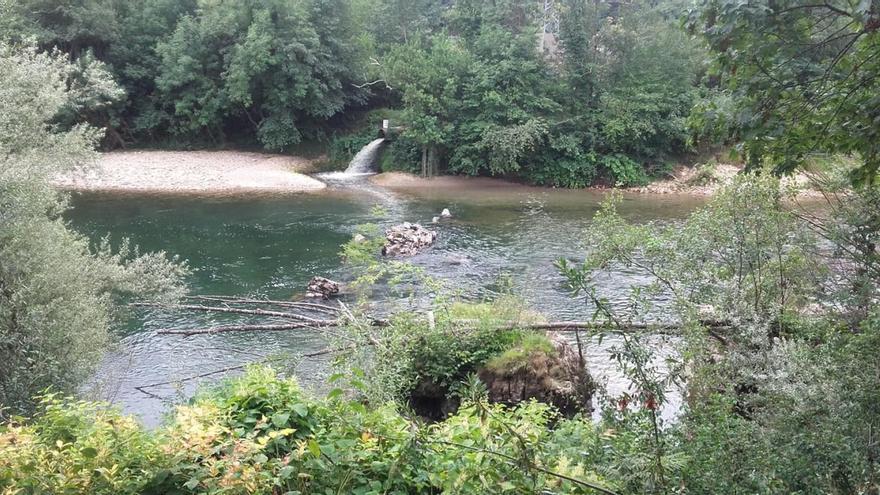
(193, 172)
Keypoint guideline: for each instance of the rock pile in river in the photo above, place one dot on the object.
(407, 239)
(322, 287)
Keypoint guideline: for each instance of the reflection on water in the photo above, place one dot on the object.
(271, 247)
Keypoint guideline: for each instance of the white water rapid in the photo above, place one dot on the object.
(365, 160)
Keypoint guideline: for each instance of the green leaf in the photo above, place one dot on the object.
(89, 452)
(314, 448)
(301, 409)
(280, 419)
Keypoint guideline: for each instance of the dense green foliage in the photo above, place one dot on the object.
(606, 99)
(797, 79)
(58, 291)
(262, 435)
(280, 66)
(610, 102)
(782, 395)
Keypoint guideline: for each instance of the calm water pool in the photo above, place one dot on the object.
(271, 247)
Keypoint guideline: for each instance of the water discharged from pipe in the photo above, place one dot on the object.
(365, 160)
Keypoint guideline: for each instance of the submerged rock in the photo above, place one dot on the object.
(446, 213)
(559, 378)
(407, 239)
(322, 287)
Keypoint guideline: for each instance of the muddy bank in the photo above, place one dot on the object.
(193, 172)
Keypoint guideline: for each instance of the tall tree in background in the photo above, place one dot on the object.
(804, 78)
(280, 67)
(120, 33)
(58, 293)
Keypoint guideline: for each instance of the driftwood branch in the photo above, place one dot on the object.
(219, 309)
(248, 328)
(305, 306)
(238, 367)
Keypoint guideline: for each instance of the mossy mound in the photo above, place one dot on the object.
(545, 369)
(534, 366)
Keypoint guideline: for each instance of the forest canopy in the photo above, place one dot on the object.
(480, 88)
(583, 92)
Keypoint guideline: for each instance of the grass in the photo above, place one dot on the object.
(517, 358)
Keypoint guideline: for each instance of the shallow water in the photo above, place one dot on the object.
(271, 247)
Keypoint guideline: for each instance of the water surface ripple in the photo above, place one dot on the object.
(270, 247)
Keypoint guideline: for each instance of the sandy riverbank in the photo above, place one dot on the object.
(684, 182)
(194, 172)
(402, 180)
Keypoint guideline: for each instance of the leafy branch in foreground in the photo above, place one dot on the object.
(59, 292)
(803, 78)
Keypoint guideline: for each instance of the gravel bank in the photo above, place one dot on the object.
(193, 172)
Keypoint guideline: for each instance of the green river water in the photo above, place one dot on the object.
(271, 246)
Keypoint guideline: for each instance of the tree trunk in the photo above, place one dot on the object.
(434, 162)
(424, 160)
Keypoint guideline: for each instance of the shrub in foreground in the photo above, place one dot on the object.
(261, 434)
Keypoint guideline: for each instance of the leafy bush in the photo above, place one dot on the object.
(78, 447)
(563, 172)
(704, 174)
(244, 438)
(624, 171)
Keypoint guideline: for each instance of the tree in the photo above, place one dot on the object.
(613, 102)
(280, 67)
(58, 292)
(121, 34)
(804, 77)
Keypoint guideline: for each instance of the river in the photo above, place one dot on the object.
(271, 246)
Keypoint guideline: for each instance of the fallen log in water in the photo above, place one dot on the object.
(310, 306)
(323, 352)
(218, 309)
(248, 328)
(342, 316)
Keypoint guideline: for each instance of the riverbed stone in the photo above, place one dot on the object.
(407, 239)
(322, 287)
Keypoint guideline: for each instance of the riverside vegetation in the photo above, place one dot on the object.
(783, 399)
(584, 93)
(781, 391)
